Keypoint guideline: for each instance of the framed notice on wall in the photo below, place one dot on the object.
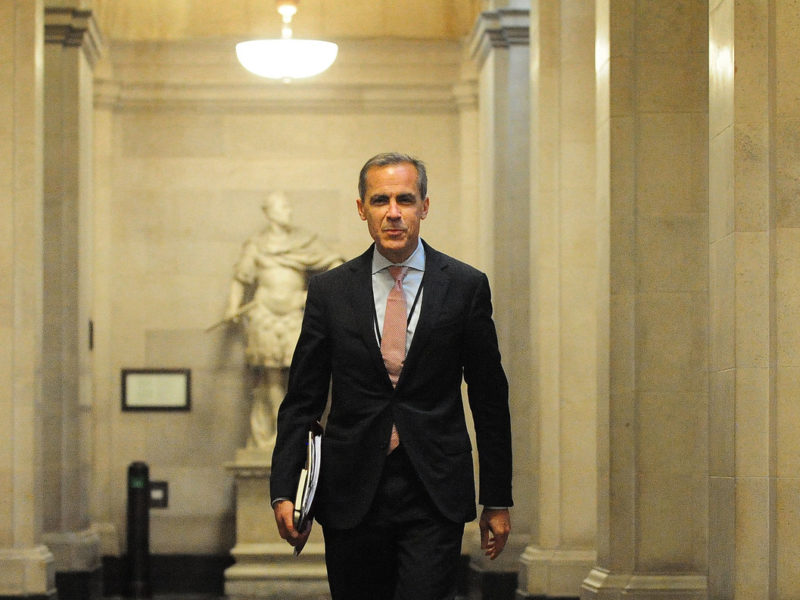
(156, 389)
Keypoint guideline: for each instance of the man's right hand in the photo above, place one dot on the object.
(284, 517)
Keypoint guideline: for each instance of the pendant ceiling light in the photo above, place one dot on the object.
(286, 58)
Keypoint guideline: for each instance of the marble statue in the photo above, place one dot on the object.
(268, 295)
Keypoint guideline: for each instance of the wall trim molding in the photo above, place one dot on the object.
(353, 98)
(204, 75)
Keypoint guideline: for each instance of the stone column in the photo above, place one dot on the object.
(499, 47)
(71, 44)
(564, 275)
(754, 234)
(652, 105)
(26, 566)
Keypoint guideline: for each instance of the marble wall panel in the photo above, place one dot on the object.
(622, 232)
(671, 433)
(788, 530)
(753, 423)
(721, 537)
(787, 180)
(752, 300)
(721, 425)
(720, 59)
(788, 424)
(622, 94)
(787, 41)
(752, 82)
(721, 183)
(754, 509)
(788, 297)
(671, 342)
(668, 82)
(669, 27)
(722, 313)
(622, 343)
(622, 518)
(677, 139)
(751, 179)
(672, 528)
(672, 253)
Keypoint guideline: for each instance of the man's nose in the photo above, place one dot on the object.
(394, 210)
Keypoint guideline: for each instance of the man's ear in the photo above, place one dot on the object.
(360, 207)
(425, 206)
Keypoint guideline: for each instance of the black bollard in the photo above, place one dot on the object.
(138, 585)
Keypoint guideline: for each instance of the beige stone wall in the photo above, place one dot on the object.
(26, 566)
(564, 299)
(754, 282)
(653, 383)
(188, 146)
(787, 293)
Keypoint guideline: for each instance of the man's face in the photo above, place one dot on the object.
(393, 209)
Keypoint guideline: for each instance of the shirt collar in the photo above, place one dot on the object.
(415, 261)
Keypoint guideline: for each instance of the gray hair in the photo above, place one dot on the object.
(393, 158)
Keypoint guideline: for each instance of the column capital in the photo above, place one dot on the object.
(499, 29)
(73, 27)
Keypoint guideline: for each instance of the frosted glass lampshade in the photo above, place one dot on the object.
(286, 58)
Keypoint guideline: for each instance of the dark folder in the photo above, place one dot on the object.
(307, 485)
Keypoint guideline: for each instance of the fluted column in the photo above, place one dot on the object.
(71, 46)
(652, 106)
(564, 295)
(26, 565)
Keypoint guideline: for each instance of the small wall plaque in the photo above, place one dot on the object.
(156, 389)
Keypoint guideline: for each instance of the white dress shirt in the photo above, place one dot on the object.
(382, 283)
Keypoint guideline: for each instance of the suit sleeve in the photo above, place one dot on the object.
(306, 395)
(487, 389)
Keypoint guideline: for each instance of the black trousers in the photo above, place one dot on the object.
(403, 550)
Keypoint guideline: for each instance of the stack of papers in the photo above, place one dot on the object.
(307, 485)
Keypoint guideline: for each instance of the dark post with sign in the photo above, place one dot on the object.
(138, 531)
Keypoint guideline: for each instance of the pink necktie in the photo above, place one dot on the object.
(393, 342)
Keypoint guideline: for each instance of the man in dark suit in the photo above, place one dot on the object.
(396, 484)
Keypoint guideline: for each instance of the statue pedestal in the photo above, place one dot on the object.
(265, 567)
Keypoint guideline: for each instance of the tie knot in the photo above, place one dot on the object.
(398, 273)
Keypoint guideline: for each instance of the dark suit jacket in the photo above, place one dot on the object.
(338, 348)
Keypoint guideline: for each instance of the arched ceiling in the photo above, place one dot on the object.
(139, 20)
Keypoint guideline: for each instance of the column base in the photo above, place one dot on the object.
(554, 573)
(601, 584)
(270, 570)
(265, 566)
(27, 572)
(74, 550)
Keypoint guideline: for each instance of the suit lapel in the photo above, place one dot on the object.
(363, 304)
(434, 289)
